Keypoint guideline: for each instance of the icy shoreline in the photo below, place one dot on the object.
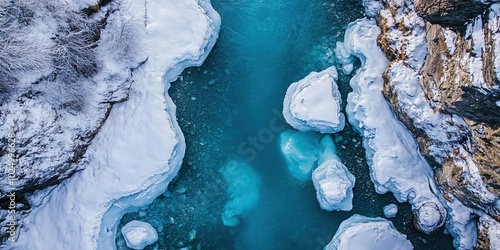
(140, 147)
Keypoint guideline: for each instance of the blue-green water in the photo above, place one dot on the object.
(230, 109)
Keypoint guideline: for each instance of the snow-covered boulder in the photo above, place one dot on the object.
(313, 103)
(333, 183)
(364, 233)
(139, 234)
(428, 217)
(390, 210)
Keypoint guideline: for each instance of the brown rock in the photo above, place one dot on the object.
(450, 13)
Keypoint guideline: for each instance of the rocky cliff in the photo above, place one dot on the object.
(449, 53)
(51, 111)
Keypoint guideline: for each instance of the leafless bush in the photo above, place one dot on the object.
(124, 37)
(73, 53)
(20, 51)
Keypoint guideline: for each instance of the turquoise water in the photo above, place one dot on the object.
(230, 109)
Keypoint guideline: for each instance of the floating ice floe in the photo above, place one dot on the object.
(364, 233)
(308, 151)
(395, 163)
(242, 190)
(139, 148)
(313, 103)
(390, 210)
(332, 180)
(139, 234)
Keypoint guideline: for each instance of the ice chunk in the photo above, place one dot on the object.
(139, 234)
(301, 151)
(242, 190)
(332, 180)
(313, 103)
(333, 184)
(395, 163)
(364, 233)
(390, 210)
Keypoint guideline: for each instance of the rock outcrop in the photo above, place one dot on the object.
(49, 115)
(443, 84)
(454, 13)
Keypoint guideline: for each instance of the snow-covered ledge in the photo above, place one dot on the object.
(395, 163)
(140, 147)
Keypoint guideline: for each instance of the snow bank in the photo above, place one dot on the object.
(390, 210)
(139, 234)
(139, 148)
(242, 190)
(364, 233)
(313, 103)
(395, 163)
(332, 180)
(461, 223)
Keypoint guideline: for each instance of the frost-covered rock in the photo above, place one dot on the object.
(139, 234)
(447, 99)
(428, 217)
(489, 233)
(395, 163)
(333, 182)
(364, 233)
(242, 190)
(313, 103)
(139, 148)
(390, 210)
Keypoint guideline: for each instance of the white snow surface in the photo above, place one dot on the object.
(461, 223)
(365, 233)
(313, 103)
(332, 180)
(392, 153)
(390, 210)
(139, 234)
(139, 148)
(475, 30)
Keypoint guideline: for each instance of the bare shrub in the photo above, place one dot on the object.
(125, 38)
(20, 51)
(73, 53)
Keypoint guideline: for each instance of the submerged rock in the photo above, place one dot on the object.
(301, 151)
(390, 210)
(242, 190)
(139, 234)
(364, 233)
(313, 103)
